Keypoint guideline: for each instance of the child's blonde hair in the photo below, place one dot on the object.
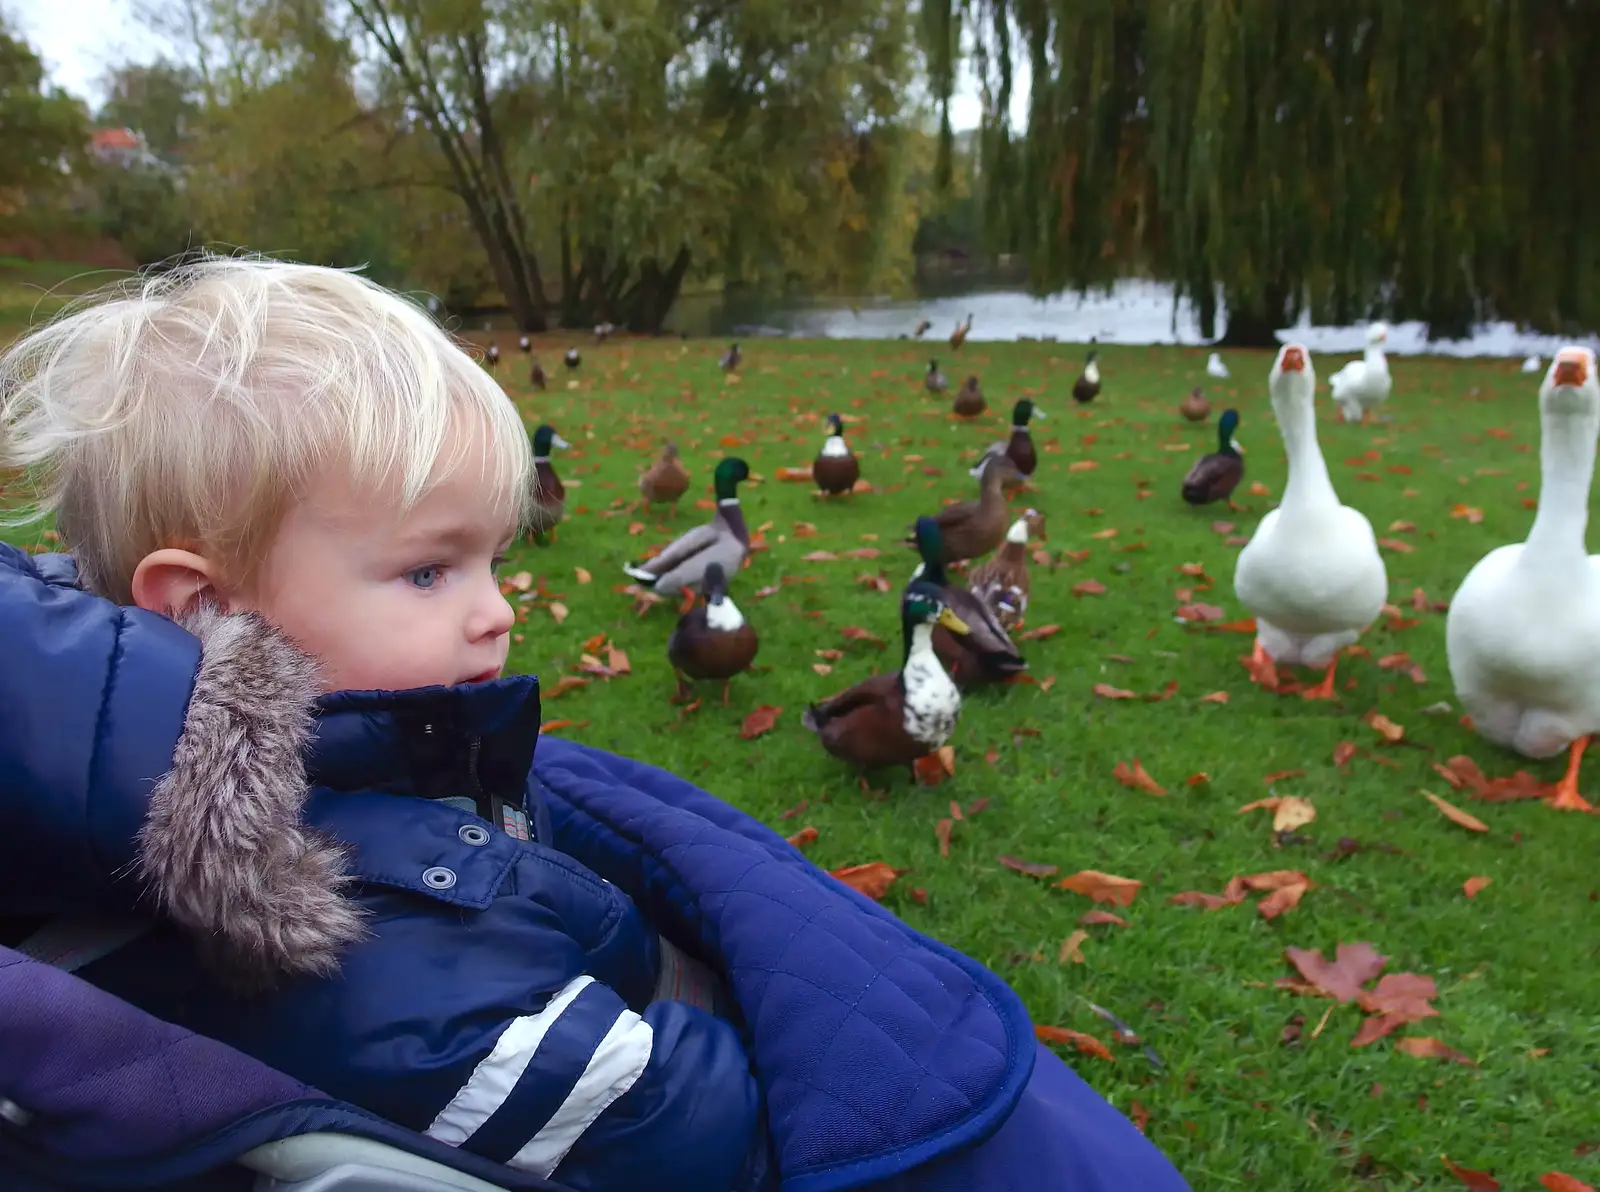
(193, 407)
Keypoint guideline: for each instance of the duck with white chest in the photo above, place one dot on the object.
(836, 468)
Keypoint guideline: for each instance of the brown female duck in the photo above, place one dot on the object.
(665, 481)
(893, 719)
(1195, 407)
(969, 401)
(1215, 476)
(972, 528)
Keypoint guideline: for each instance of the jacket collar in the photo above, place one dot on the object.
(475, 740)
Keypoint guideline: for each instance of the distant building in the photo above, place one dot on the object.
(122, 147)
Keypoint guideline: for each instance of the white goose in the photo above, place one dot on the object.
(1311, 573)
(1363, 385)
(1523, 633)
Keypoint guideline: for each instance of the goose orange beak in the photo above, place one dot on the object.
(1294, 360)
(1571, 370)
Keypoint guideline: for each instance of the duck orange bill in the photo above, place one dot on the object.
(952, 622)
(1571, 370)
(1294, 360)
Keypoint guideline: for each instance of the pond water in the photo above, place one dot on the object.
(1132, 312)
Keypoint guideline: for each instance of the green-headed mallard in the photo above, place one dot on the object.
(665, 481)
(712, 640)
(732, 359)
(934, 381)
(725, 540)
(1215, 476)
(922, 327)
(1019, 447)
(984, 653)
(972, 528)
(1002, 582)
(549, 501)
(836, 468)
(969, 400)
(959, 335)
(1087, 387)
(1194, 406)
(893, 719)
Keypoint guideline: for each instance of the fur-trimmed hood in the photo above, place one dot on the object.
(223, 850)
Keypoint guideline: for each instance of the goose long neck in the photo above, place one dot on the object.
(1309, 483)
(1566, 465)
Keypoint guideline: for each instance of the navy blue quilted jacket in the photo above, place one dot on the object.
(650, 991)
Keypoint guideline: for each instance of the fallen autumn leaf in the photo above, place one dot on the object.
(1102, 887)
(872, 879)
(1071, 1038)
(760, 721)
(1454, 814)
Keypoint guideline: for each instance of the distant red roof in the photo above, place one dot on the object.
(114, 138)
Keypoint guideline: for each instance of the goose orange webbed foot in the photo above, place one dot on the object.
(1564, 795)
(1324, 689)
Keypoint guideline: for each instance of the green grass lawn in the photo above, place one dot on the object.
(1249, 1093)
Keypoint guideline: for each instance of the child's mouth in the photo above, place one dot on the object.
(487, 676)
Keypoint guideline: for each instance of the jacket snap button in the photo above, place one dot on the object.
(473, 834)
(439, 877)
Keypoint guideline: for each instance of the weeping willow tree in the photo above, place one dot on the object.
(1348, 159)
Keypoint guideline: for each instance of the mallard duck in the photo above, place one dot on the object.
(836, 468)
(492, 357)
(1011, 479)
(1216, 474)
(1311, 573)
(1194, 406)
(536, 375)
(959, 335)
(1002, 582)
(892, 719)
(922, 327)
(604, 331)
(1215, 367)
(725, 540)
(525, 344)
(666, 480)
(1019, 447)
(732, 359)
(969, 401)
(1087, 387)
(549, 501)
(1523, 633)
(972, 528)
(985, 653)
(1361, 386)
(934, 382)
(712, 640)
(572, 359)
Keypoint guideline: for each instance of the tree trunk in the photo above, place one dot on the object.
(1253, 321)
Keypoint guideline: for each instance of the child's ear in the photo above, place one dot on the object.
(170, 581)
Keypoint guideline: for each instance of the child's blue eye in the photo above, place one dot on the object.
(425, 577)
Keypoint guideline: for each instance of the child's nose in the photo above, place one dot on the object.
(494, 615)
